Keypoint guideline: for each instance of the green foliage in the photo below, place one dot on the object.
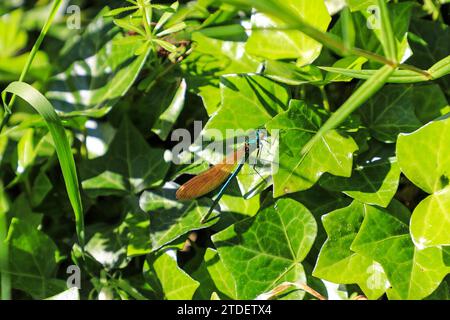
(352, 180)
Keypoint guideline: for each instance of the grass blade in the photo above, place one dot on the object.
(387, 35)
(66, 161)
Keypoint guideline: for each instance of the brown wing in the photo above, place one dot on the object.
(209, 180)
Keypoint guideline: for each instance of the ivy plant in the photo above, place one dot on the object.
(349, 196)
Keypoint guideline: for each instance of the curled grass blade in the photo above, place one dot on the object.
(63, 150)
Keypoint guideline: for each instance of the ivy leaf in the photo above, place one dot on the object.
(291, 74)
(35, 262)
(401, 108)
(266, 250)
(168, 280)
(99, 71)
(348, 63)
(320, 201)
(129, 166)
(171, 218)
(107, 247)
(214, 277)
(248, 102)
(41, 187)
(269, 43)
(235, 207)
(413, 273)
(429, 45)
(367, 27)
(159, 109)
(333, 153)
(338, 263)
(374, 180)
(424, 158)
(210, 59)
(135, 228)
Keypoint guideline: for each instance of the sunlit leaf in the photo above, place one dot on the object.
(266, 250)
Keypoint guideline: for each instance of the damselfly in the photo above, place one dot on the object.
(220, 175)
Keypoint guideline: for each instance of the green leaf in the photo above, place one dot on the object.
(11, 67)
(291, 74)
(167, 279)
(25, 151)
(165, 45)
(118, 11)
(99, 71)
(171, 218)
(264, 251)
(214, 277)
(248, 102)
(129, 165)
(338, 263)
(424, 158)
(210, 59)
(413, 273)
(333, 153)
(429, 46)
(107, 247)
(128, 25)
(269, 43)
(349, 63)
(12, 37)
(167, 119)
(21, 209)
(370, 29)
(41, 187)
(401, 108)
(159, 109)
(374, 180)
(33, 268)
(175, 28)
(135, 228)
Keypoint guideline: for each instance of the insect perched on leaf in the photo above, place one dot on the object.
(219, 175)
